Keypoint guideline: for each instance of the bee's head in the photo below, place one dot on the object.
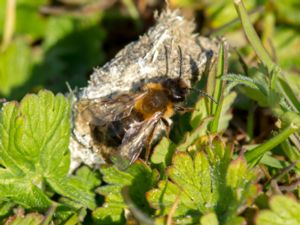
(176, 89)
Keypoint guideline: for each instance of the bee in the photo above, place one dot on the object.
(124, 125)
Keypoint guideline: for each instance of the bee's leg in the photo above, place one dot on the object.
(167, 126)
(149, 144)
(183, 110)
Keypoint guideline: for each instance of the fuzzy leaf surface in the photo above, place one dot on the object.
(205, 182)
(139, 179)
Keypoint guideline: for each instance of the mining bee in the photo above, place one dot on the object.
(124, 125)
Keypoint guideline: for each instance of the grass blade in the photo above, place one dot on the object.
(253, 156)
(252, 35)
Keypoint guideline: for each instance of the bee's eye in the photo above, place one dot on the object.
(178, 94)
(176, 88)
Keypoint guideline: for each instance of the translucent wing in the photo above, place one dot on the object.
(101, 111)
(137, 138)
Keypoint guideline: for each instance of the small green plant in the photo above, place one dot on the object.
(201, 174)
(205, 182)
(34, 154)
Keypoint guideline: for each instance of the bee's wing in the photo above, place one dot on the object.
(99, 113)
(137, 138)
(107, 109)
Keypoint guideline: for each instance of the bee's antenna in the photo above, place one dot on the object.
(204, 94)
(180, 61)
(167, 61)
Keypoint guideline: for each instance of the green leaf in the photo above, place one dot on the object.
(29, 219)
(109, 214)
(88, 177)
(283, 210)
(288, 11)
(222, 12)
(57, 28)
(291, 97)
(241, 79)
(271, 161)
(221, 69)
(81, 185)
(200, 113)
(28, 19)
(34, 138)
(72, 47)
(190, 137)
(205, 183)
(252, 36)
(5, 209)
(226, 114)
(209, 219)
(15, 65)
(163, 152)
(138, 178)
(285, 40)
(254, 155)
(75, 190)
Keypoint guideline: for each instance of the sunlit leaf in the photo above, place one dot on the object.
(29, 219)
(34, 138)
(207, 182)
(283, 210)
(139, 178)
(15, 65)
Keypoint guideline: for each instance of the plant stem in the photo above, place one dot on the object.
(9, 26)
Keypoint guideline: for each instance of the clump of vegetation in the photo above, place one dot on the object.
(221, 163)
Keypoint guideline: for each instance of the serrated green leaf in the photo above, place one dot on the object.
(23, 190)
(284, 210)
(75, 190)
(205, 183)
(34, 138)
(109, 214)
(82, 184)
(139, 178)
(29, 219)
(88, 177)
